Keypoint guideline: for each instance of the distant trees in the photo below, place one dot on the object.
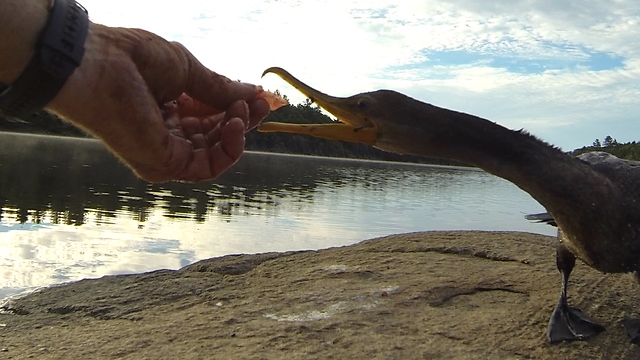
(306, 112)
(629, 151)
(42, 122)
(608, 141)
(309, 105)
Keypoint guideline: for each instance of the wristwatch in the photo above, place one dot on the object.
(59, 52)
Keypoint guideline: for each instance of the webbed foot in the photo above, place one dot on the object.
(633, 329)
(568, 323)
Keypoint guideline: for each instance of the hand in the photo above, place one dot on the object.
(117, 92)
(217, 141)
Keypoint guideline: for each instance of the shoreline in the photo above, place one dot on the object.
(90, 139)
(441, 294)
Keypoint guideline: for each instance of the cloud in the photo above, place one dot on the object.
(552, 67)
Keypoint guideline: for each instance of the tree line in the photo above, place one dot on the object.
(41, 122)
(629, 151)
(309, 113)
(304, 113)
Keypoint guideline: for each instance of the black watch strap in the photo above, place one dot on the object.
(59, 52)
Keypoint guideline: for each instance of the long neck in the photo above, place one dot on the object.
(562, 184)
(596, 214)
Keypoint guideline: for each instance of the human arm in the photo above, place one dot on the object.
(116, 91)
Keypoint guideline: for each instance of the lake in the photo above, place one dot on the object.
(69, 210)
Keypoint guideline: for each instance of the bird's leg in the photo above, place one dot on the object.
(633, 325)
(569, 323)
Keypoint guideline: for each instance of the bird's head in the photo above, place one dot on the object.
(380, 118)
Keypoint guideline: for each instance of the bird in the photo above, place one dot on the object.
(594, 199)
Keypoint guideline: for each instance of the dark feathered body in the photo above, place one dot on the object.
(595, 199)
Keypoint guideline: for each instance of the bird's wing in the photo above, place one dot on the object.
(625, 173)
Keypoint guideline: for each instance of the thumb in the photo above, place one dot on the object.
(213, 89)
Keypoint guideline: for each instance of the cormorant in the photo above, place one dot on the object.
(594, 200)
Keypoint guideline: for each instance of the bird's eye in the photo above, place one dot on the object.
(362, 104)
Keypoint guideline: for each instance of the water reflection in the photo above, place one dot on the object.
(70, 178)
(70, 210)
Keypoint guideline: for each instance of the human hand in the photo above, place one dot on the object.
(217, 140)
(117, 92)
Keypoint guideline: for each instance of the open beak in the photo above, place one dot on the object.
(352, 128)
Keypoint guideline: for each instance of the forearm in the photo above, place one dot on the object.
(115, 94)
(21, 21)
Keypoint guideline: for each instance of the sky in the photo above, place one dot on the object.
(566, 71)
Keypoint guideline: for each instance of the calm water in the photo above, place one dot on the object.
(69, 210)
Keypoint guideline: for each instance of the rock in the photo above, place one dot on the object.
(433, 295)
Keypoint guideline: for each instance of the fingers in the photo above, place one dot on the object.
(207, 163)
(211, 88)
(199, 141)
(169, 69)
(238, 109)
(226, 140)
(190, 107)
(238, 113)
(231, 146)
(193, 125)
(217, 142)
(258, 110)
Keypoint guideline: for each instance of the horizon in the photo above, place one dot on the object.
(567, 73)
